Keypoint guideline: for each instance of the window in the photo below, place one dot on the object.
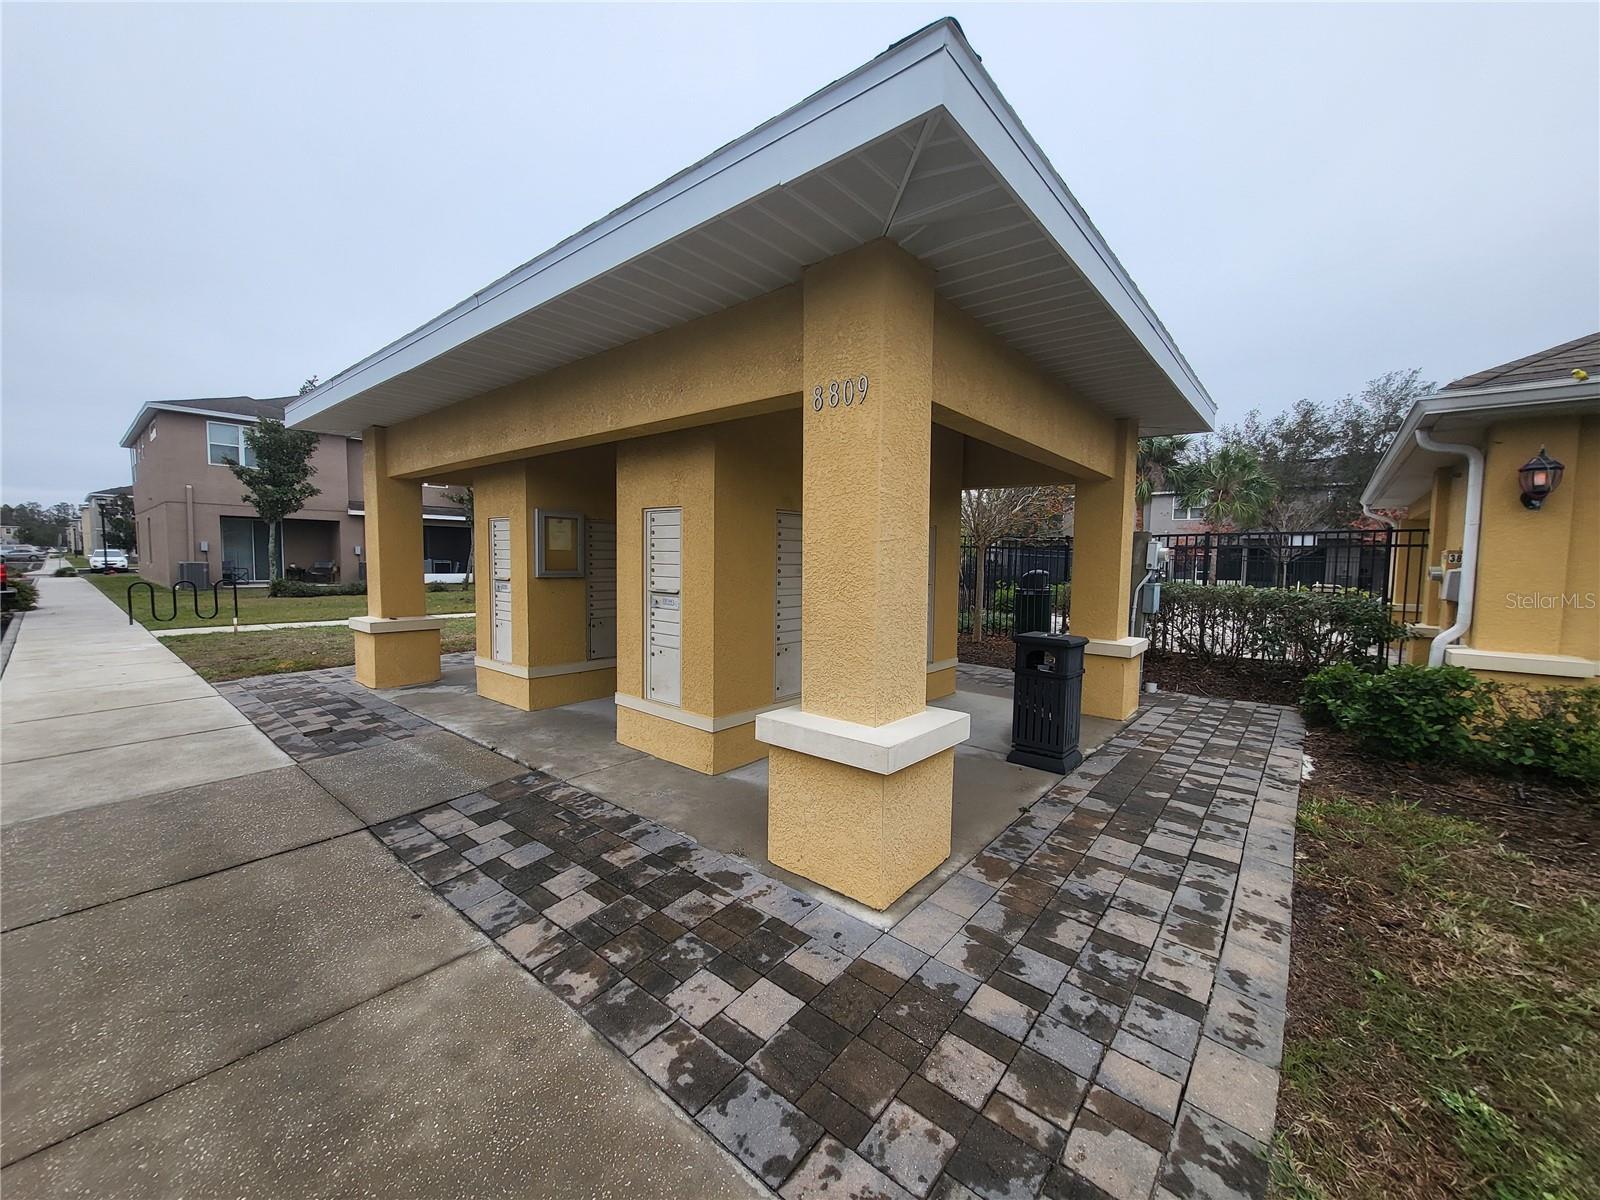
(224, 442)
(1181, 512)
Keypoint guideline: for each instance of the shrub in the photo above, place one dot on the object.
(1333, 695)
(1421, 713)
(1298, 627)
(1544, 729)
(60, 571)
(1448, 714)
(1410, 713)
(25, 596)
(295, 587)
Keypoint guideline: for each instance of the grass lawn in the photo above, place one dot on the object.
(219, 656)
(1444, 1026)
(258, 608)
(81, 561)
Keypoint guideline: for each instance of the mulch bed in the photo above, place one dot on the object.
(1550, 823)
(1223, 681)
(986, 652)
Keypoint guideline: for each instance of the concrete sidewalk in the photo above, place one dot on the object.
(94, 710)
(230, 987)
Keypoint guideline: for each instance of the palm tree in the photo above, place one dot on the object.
(1158, 458)
(1229, 484)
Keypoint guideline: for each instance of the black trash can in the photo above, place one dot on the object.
(1047, 703)
(1033, 602)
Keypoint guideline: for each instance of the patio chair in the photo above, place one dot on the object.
(320, 572)
(231, 573)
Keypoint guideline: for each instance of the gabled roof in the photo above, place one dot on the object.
(238, 408)
(1539, 385)
(1557, 362)
(122, 489)
(918, 146)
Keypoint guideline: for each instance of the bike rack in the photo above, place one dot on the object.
(194, 593)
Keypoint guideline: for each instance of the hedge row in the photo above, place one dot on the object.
(1251, 625)
(295, 587)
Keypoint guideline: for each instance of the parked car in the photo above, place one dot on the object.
(23, 559)
(108, 561)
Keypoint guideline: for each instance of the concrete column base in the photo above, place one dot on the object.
(867, 836)
(396, 651)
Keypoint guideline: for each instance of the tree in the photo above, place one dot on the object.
(1281, 530)
(1232, 488)
(280, 482)
(1157, 458)
(463, 497)
(37, 525)
(1329, 451)
(309, 385)
(990, 514)
(1229, 483)
(117, 526)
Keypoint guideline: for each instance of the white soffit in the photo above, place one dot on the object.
(917, 145)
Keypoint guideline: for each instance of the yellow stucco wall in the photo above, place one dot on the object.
(393, 533)
(1536, 566)
(944, 514)
(675, 470)
(1102, 589)
(730, 479)
(390, 660)
(757, 474)
(549, 619)
(1538, 587)
(985, 389)
(745, 358)
(868, 313)
(868, 836)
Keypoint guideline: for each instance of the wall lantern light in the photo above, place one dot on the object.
(1538, 477)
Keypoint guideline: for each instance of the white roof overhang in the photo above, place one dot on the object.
(1405, 472)
(918, 146)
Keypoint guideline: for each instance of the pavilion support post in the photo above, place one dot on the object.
(1102, 586)
(397, 643)
(861, 771)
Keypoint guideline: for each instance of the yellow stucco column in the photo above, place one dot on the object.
(944, 567)
(396, 642)
(861, 771)
(550, 658)
(1102, 585)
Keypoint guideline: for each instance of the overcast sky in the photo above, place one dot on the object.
(224, 200)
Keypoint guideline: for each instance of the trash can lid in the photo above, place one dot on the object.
(1059, 641)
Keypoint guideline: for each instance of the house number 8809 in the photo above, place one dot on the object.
(835, 392)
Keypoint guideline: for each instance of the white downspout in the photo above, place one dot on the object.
(1469, 543)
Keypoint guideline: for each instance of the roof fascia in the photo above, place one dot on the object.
(888, 92)
(149, 410)
(1429, 410)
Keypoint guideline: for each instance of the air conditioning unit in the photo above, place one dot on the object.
(197, 573)
(1450, 589)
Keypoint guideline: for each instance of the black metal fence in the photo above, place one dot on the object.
(1004, 566)
(1390, 564)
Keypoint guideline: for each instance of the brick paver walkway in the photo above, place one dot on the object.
(314, 714)
(1092, 1007)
